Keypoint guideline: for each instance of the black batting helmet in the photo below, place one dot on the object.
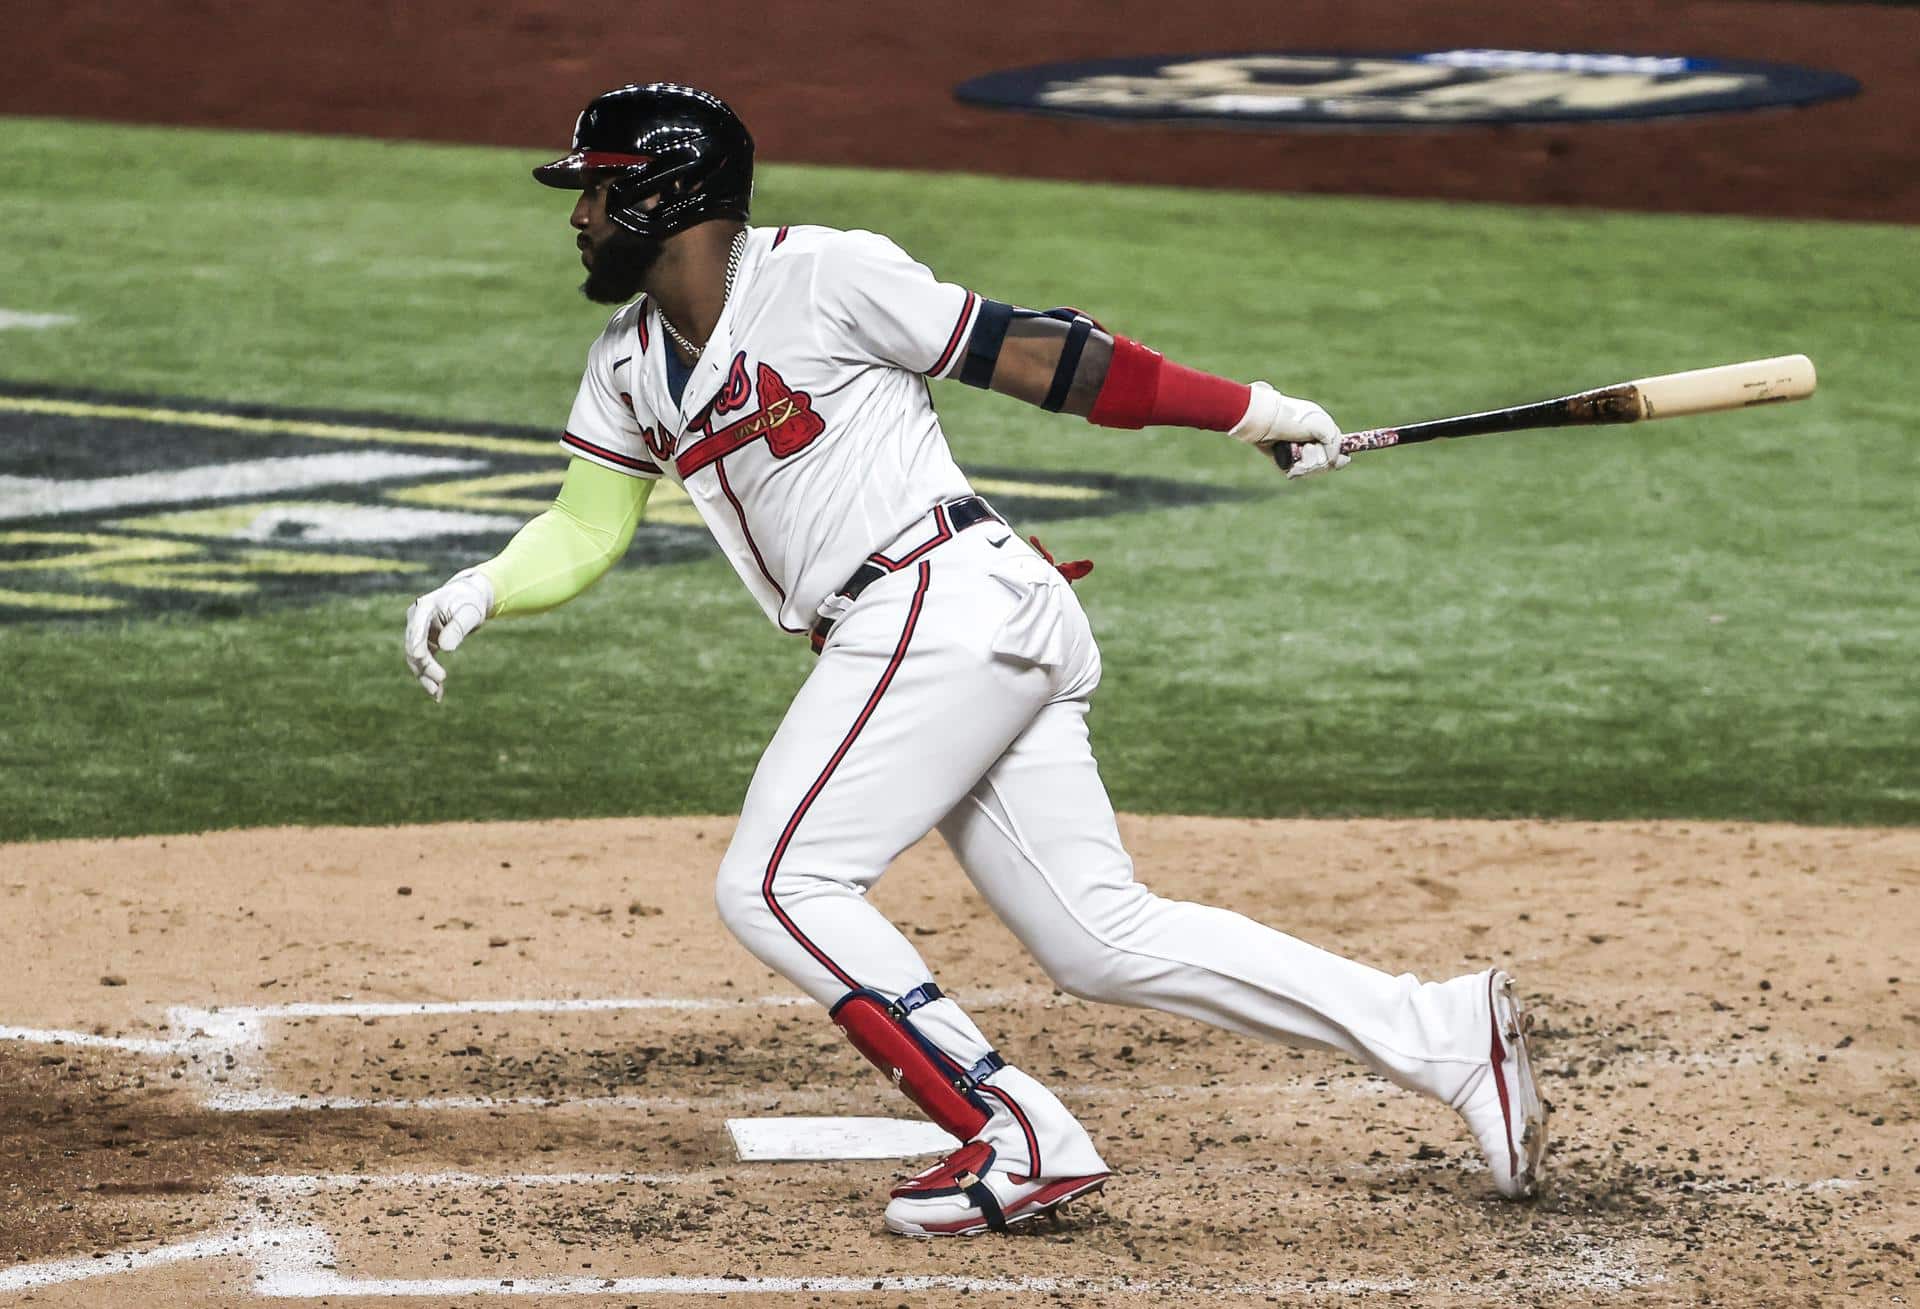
(661, 139)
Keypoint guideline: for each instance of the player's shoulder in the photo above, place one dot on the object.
(831, 247)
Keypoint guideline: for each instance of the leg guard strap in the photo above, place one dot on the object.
(989, 1204)
(944, 1090)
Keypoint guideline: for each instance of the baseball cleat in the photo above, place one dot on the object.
(1502, 1103)
(964, 1195)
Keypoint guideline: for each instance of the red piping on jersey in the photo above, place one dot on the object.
(611, 456)
(740, 513)
(953, 342)
(778, 237)
(941, 533)
(820, 783)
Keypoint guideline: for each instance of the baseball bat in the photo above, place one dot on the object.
(1670, 395)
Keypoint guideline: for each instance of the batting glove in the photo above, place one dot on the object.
(1272, 418)
(439, 621)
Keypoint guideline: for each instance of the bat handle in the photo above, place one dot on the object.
(1287, 453)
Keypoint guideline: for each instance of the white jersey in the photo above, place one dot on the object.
(806, 436)
(954, 692)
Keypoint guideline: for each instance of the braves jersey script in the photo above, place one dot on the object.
(805, 436)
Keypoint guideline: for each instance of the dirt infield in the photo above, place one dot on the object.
(1728, 1023)
(872, 84)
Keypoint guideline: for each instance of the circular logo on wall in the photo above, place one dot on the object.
(1429, 88)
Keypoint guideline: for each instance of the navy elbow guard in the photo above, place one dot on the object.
(989, 334)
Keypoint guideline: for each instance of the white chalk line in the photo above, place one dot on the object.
(253, 1102)
(220, 1029)
(129, 1044)
(296, 1262)
(302, 1262)
(415, 1008)
(26, 1277)
(299, 1262)
(288, 1185)
(240, 1034)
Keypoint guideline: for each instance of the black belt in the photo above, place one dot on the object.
(949, 520)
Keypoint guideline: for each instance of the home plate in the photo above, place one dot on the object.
(836, 1138)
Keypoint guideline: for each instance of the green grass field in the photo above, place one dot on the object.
(1711, 618)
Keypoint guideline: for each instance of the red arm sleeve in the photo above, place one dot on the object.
(1143, 389)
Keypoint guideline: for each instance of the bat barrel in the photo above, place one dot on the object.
(1669, 395)
(1730, 386)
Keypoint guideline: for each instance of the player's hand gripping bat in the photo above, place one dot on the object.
(1730, 386)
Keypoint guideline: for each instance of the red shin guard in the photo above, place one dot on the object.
(942, 1089)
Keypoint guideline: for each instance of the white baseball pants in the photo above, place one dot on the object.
(954, 694)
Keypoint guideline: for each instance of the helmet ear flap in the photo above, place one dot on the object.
(627, 197)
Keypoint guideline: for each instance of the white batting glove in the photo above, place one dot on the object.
(440, 620)
(1272, 418)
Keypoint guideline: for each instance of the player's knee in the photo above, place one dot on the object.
(737, 894)
(1090, 969)
(1106, 959)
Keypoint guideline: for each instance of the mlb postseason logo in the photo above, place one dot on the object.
(1408, 89)
(114, 506)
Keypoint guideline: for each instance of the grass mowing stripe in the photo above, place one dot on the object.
(1705, 617)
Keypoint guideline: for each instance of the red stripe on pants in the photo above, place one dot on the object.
(820, 782)
(1019, 1116)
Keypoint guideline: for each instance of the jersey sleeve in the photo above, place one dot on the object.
(603, 425)
(880, 305)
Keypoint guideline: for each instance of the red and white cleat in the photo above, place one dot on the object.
(964, 1195)
(1502, 1103)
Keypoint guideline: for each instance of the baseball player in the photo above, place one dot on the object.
(780, 377)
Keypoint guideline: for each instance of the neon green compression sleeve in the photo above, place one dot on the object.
(565, 550)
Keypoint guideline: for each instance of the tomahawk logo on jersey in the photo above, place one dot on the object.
(804, 434)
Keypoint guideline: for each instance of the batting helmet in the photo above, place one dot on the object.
(661, 139)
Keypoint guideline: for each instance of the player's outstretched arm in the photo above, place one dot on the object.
(549, 561)
(1061, 360)
(877, 303)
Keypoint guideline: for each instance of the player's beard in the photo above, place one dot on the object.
(619, 269)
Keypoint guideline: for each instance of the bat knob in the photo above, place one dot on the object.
(1285, 454)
